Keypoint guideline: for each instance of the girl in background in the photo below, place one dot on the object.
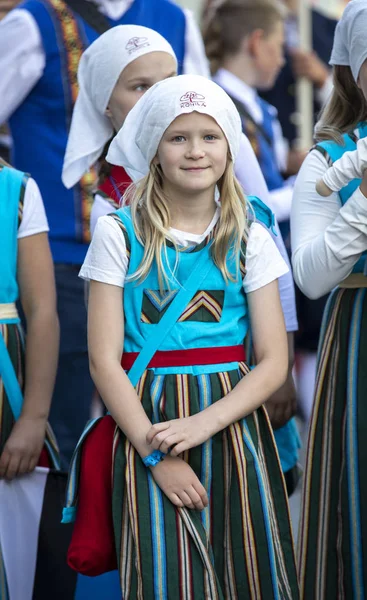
(27, 373)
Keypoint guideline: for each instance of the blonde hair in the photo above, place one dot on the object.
(229, 23)
(151, 219)
(346, 107)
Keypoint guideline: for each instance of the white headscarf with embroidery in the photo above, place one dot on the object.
(136, 144)
(99, 69)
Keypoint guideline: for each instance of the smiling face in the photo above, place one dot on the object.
(192, 154)
(135, 80)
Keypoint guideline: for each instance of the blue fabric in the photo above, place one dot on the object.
(10, 188)
(336, 151)
(229, 331)
(263, 213)
(104, 587)
(267, 157)
(288, 444)
(42, 120)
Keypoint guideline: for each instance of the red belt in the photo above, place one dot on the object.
(187, 358)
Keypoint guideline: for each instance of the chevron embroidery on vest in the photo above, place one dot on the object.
(72, 44)
(205, 307)
(158, 300)
(207, 301)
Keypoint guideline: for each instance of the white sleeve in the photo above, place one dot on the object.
(100, 208)
(34, 218)
(22, 59)
(106, 259)
(327, 239)
(280, 202)
(264, 263)
(195, 60)
(248, 172)
(249, 175)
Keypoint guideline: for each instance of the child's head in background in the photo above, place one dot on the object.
(247, 38)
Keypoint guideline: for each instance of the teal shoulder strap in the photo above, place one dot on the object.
(262, 212)
(201, 269)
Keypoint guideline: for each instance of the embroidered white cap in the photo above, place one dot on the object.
(136, 144)
(99, 69)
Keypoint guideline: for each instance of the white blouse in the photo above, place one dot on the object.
(107, 261)
(327, 239)
(34, 218)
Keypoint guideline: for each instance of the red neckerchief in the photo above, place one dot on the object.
(115, 184)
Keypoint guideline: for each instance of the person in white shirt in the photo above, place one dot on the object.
(329, 238)
(41, 42)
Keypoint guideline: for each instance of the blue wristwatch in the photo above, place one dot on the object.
(154, 458)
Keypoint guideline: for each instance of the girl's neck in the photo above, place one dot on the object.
(192, 215)
(241, 65)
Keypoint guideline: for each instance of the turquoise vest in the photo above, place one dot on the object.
(10, 189)
(332, 152)
(217, 315)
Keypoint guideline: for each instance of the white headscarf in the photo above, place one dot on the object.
(136, 144)
(350, 39)
(99, 69)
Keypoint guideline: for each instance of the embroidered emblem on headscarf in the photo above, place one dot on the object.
(192, 99)
(135, 43)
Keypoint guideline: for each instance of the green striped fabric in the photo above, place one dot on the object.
(240, 547)
(333, 528)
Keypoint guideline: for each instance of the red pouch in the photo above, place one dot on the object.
(92, 549)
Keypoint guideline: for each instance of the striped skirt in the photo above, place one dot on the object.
(333, 526)
(240, 547)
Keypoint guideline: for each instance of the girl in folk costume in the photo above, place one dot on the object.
(199, 502)
(100, 110)
(26, 377)
(113, 73)
(330, 241)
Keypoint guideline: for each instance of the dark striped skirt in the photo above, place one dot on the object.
(333, 526)
(240, 546)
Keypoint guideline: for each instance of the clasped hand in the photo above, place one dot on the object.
(179, 435)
